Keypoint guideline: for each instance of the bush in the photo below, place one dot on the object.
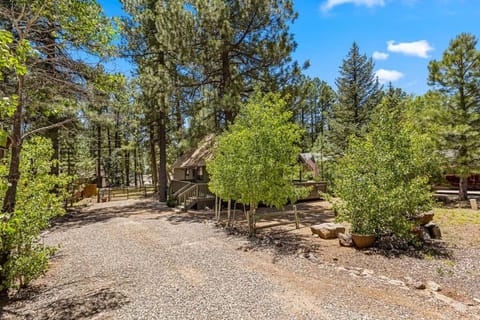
(383, 179)
(40, 197)
(172, 202)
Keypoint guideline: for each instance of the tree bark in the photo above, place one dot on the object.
(127, 168)
(117, 144)
(153, 158)
(135, 167)
(99, 160)
(162, 145)
(53, 134)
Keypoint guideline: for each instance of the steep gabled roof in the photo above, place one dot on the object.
(197, 157)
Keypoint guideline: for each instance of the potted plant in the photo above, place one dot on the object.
(363, 220)
(383, 178)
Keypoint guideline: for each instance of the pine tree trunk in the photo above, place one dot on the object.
(117, 144)
(153, 158)
(135, 167)
(109, 163)
(127, 168)
(99, 160)
(463, 188)
(53, 135)
(162, 145)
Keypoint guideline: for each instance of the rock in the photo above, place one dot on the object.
(310, 256)
(367, 272)
(345, 240)
(433, 286)
(327, 230)
(433, 230)
(396, 282)
(419, 285)
(425, 217)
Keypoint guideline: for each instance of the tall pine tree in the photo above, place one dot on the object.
(358, 93)
(457, 76)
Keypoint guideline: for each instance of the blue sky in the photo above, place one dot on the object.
(404, 35)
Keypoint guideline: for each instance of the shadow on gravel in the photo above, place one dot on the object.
(431, 249)
(274, 233)
(79, 218)
(74, 307)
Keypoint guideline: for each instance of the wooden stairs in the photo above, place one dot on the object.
(193, 194)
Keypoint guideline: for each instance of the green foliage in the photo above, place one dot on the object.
(383, 179)
(358, 94)
(312, 101)
(255, 159)
(39, 198)
(11, 60)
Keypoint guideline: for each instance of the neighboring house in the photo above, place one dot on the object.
(189, 183)
(309, 168)
(191, 167)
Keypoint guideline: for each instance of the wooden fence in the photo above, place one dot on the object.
(125, 193)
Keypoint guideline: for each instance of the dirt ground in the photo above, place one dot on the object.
(137, 259)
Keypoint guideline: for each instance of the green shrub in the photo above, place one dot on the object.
(40, 197)
(383, 179)
(172, 202)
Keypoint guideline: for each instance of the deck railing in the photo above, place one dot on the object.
(193, 193)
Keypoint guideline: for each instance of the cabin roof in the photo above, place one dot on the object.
(197, 156)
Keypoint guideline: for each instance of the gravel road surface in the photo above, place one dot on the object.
(139, 260)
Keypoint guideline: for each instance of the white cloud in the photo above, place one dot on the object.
(377, 55)
(385, 76)
(329, 4)
(416, 48)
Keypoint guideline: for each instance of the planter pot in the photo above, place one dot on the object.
(362, 240)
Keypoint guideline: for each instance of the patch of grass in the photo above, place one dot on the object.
(457, 217)
(460, 227)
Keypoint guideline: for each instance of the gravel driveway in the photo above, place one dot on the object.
(138, 260)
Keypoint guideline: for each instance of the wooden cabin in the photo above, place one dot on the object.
(189, 180)
(309, 175)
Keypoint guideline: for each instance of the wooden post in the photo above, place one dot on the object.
(474, 204)
(297, 221)
(249, 223)
(253, 220)
(228, 212)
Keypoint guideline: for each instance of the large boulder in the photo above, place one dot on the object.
(327, 230)
(424, 218)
